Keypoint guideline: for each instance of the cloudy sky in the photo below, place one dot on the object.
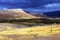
(31, 5)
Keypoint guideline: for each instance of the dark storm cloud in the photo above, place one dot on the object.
(26, 3)
(16, 3)
(33, 4)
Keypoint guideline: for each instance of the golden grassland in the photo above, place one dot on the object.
(32, 33)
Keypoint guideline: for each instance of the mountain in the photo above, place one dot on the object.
(53, 14)
(15, 13)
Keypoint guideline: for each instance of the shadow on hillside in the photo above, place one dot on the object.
(31, 22)
(35, 20)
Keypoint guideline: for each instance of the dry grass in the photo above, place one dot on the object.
(49, 32)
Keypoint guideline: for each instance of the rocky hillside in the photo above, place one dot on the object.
(15, 13)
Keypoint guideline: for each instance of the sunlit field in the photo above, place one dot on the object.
(47, 32)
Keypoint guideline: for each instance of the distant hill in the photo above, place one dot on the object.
(39, 15)
(53, 14)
